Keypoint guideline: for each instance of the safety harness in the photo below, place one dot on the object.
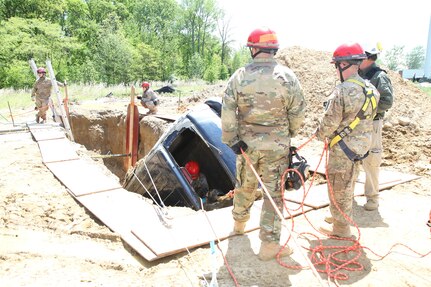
(369, 98)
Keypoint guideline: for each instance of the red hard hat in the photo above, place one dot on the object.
(193, 168)
(263, 38)
(145, 85)
(348, 52)
(41, 70)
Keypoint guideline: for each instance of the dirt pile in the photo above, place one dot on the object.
(406, 132)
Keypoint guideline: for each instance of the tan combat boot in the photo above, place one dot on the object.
(238, 227)
(269, 250)
(37, 118)
(372, 204)
(336, 229)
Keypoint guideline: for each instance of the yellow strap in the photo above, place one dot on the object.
(356, 121)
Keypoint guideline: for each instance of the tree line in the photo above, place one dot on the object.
(114, 42)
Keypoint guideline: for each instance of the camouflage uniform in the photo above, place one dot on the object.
(371, 164)
(342, 107)
(200, 185)
(42, 93)
(263, 106)
(150, 101)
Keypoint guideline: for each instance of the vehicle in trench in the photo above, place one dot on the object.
(195, 136)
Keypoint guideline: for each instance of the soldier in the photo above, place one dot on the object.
(41, 94)
(347, 125)
(378, 77)
(149, 99)
(263, 107)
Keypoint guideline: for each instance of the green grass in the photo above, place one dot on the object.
(21, 99)
(426, 90)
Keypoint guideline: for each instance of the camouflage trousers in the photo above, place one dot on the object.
(342, 183)
(270, 165)
(42, 106)
(371, 163)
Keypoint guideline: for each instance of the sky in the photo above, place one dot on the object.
(325, 24)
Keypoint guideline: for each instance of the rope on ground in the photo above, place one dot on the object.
(280, 215)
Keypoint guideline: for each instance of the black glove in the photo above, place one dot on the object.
(139, 97)
(238, 146)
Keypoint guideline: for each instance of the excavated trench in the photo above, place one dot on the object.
(104, 132)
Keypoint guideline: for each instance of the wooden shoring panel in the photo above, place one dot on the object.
(120, 210)
(389, 178)
(198, 229)
(82, 177)
(57, 150)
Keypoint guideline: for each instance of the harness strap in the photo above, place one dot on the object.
(369, 99)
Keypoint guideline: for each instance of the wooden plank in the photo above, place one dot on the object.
(82, 177)
(389, 178)
(57, 150)
(120, 210)
(47, 134)
(199, 229)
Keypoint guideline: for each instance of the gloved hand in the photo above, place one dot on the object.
(238, 146)
(139, 97)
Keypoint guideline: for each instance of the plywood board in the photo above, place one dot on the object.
(199, 229)
(57, 150)
(388, 178)
(120, 210)
(47, 134)
(82, 177)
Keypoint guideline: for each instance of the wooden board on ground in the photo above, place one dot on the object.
(198, 229)
(47, 134)
(389, 178)
(57, 150)
(82, 177)
(120, 210)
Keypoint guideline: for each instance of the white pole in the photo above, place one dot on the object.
(427, 70)
(60, 100)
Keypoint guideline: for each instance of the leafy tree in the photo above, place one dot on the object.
(240, 58)
(394, 58)
(212, 72)
(415, 58)
(50, 10)
(196, 67)
(23, 39)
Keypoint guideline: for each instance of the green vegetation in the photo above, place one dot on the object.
(115, 42)
(426, 90)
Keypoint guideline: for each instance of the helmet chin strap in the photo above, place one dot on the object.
(267, 51)
(341, 70)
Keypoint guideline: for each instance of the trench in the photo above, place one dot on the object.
(104, 132)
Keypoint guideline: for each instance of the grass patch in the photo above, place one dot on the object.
(426, 90)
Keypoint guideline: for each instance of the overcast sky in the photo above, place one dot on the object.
(324, 25)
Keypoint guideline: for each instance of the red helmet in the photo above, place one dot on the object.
(193, 168)
(41, 70)
(145, 85)
(349, 52)
(263, 38)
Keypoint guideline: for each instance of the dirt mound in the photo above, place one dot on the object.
(406, 132)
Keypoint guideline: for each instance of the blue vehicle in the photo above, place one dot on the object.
(195, 136)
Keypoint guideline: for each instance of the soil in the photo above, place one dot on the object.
(49, 239)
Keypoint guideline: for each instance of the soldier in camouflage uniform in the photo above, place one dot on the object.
(378, 77)
(41, 94)
(149, 99)
(350, 140)
(263, 107)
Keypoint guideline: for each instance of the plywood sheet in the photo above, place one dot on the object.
(47, 134)
(198, 229)
(82, 177)
(57, 150)
(120, 210)
(388, 178)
